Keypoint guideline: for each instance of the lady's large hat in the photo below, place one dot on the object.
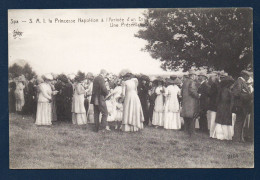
(176, 81)
(144, 77)
(173, 77)
(80, 77)
(124, 72)
(159, 79)
(48, 77)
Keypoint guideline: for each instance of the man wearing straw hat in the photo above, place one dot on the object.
(190, 105)
(242, 96)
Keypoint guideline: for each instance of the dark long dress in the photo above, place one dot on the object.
(144, 97)
(224, 114)
(12, 87)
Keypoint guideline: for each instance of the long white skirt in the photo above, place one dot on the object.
(130, 128)
(211, 116)
(79, 118)
(157, 119)
(172, 120)
(44, 114)
(90, 115)
(224, 132)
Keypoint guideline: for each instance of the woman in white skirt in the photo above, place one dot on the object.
(159, 105)
(19, 94)
(79, 116)
(172, 107)
(213, 94)
(223, 129)
(44, 107)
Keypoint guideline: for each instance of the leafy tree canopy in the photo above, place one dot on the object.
(219, 39)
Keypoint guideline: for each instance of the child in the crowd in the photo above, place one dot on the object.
(119, 111)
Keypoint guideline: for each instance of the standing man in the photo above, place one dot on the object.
(99, 92)
(203, 101)
(190, 104)
(242, 95)
(143, 89)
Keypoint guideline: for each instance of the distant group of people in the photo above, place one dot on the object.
(215, 103)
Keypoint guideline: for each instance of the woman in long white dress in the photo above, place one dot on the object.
(172, 118)
(79, 116)
(159, 105)
(44, 107)
(90, 112)
(19, 94)
(133, 117)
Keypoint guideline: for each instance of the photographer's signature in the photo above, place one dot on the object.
(17, 34)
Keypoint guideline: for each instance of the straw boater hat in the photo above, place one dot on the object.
(244, 72)
(203, 74)
(223, 74)
(192, 72)
(48, 77)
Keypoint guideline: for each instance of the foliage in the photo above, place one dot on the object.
(16, 70)
(211, 38)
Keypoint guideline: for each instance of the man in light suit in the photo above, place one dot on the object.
(242, 96)
(190, 102)
(99, 93)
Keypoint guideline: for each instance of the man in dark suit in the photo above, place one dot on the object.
(204, 101)
(242, 96)
(99, 92)
(143, 89)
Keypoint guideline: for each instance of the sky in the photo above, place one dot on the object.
(69, 47)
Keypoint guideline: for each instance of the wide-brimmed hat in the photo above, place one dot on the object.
(228, 80)
(128, 75)
(192, 72)
(159, 79)
(80, 77)
(203, 74)
(124, 72)
(223, 74)
(144, 77)
(245, 72)
(173, 77)
(48, 77)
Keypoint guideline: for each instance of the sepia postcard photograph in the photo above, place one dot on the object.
(131, 88)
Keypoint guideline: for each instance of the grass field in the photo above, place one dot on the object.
(64, 145)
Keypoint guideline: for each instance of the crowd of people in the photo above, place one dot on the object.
(214, 103)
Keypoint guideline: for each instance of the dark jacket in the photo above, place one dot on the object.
(204, 98)
(224, 101)
(99, 91)
(213, 93)
(190, 98)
